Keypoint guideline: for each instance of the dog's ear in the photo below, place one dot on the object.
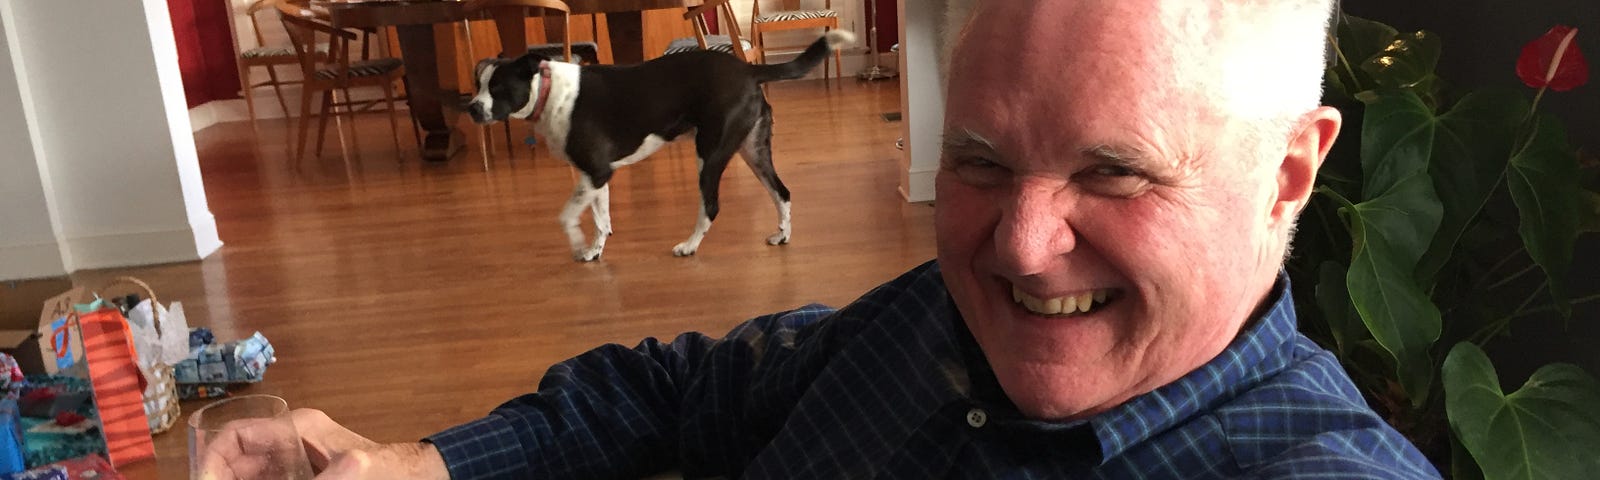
(485, 63)
(532, 59)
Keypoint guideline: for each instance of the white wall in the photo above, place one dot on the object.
(921, 94)
(28, 244)
(117, 166)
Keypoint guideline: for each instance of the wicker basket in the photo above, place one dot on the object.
(163, 388)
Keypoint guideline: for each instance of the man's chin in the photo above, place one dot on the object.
(1051, 396)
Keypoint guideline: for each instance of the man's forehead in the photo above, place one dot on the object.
(1055, 23)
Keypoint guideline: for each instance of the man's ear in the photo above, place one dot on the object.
(1308, 147)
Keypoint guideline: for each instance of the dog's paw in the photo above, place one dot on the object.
(780, 238)
(587, 255)
(683, 250)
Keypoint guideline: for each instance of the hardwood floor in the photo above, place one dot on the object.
(405, 298)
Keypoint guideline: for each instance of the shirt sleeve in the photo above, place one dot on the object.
(611, 412)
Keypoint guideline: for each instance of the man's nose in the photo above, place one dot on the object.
(1034, 229)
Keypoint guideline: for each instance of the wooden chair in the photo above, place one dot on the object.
(727, 22)
(334, 74)
(269, 57)
(510, 25)
(792, 17)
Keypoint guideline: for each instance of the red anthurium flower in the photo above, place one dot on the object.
(1553, 61)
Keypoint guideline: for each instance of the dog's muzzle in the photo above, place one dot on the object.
(479, 114)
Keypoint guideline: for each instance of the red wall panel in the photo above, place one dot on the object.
(205, 50)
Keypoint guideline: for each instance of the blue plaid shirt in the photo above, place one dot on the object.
(894, 386)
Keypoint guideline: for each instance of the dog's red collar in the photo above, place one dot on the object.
(544, 90)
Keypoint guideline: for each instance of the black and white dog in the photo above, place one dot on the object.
(601, 118)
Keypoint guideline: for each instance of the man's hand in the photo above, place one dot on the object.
(245, 448)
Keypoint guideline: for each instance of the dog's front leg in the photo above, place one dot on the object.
(600, 208)
(582, 196)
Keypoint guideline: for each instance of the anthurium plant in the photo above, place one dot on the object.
(1442, 218)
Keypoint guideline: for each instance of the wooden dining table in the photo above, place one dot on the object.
(414, 20)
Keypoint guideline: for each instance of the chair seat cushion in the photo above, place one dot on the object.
(581, 51)
(715, 43)
(795, 15)
(285, 51)
(369, 68)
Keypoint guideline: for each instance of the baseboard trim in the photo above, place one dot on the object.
(140, 248)
(26, 262)
(206, 239)
(920, 186)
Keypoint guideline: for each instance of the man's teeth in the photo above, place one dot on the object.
(1070, 304)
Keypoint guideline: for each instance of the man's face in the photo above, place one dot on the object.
(1072, 168)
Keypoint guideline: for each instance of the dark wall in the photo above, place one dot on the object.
(1482, 39)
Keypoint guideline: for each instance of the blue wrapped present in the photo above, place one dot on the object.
(52, 472)
(241, 361)
(11, 458)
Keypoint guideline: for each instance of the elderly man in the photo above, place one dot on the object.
(1117, 193)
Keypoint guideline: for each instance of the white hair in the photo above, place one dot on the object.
(1258, 61)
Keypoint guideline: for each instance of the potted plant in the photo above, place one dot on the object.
(1434, 217)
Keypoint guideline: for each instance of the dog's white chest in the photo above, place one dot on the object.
(555, 122)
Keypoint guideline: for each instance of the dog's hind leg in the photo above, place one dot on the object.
(583, 195)
(757, 153)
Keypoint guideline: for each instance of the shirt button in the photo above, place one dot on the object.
(977, 417)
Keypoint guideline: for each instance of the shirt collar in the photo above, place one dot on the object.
(1248, 359)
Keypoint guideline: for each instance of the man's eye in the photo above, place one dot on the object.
(1113, 171)
(1114, 181)
(979, 172)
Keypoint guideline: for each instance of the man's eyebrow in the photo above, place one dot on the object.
(1117, 155)
(966, 141)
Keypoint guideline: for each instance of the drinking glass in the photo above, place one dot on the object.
(249, 437)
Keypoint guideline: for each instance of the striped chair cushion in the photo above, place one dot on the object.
(795, 15)
(369, 68)
(581, 51)
(264, 52)
(717, 43)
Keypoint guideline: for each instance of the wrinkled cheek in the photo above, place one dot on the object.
(964, 220)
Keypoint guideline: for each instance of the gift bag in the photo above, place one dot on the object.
(134, 397)
(117, 383)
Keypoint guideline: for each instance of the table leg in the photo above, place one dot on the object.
(417, 49)
(627, 37)
(511, 24)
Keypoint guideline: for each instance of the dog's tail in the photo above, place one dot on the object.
(818, 52)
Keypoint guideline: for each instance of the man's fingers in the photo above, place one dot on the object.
(250, 449)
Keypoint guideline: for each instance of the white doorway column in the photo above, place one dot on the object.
(96, 151)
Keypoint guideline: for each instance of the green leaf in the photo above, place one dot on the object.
(1461, 465)
(1407, 61)
(1396, 138)
(1333, 299)
(1546, 429)
(1333, 84)
(1359, 40)
(1472, 143)
(1543, 179)
(1390, 233)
